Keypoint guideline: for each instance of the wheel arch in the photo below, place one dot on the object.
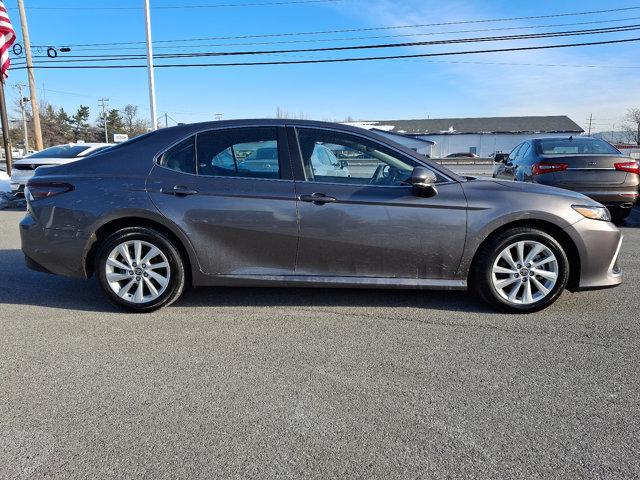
(552, 229)
(112, 225)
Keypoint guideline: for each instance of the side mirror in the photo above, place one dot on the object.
(424, 181)
(343, 164)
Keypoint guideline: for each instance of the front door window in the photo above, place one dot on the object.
(335, 157)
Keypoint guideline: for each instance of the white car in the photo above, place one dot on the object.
(22, 170)
(325, 163)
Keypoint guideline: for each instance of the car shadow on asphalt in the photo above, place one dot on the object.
(331, 297)
(633, 220)
(22, 286)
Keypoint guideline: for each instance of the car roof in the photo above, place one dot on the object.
(573, 137)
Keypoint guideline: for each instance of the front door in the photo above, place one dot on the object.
(360, 217)
(231, 191)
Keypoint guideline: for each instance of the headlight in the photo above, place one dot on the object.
(595, 213)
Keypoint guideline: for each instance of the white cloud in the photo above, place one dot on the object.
(484, 90)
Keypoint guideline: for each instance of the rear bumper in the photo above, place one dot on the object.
(598, 244)
(614, 199)
(53, 250)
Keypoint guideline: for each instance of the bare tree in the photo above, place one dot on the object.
(129, 114)
(632, 125)
(280, 113)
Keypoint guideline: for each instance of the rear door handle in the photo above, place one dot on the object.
(179, 190)
(317, 198)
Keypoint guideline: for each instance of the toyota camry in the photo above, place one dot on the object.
(198, 205)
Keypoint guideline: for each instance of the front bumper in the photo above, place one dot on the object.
(55, 251)
(598, 244)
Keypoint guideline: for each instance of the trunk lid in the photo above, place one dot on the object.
(587, 170)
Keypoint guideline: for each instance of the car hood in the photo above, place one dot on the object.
(537, 188)
(46, 161)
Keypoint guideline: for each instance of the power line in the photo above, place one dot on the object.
(352, 30)
(337, 60)
(123, 57)
(184, 7)
(341, 39)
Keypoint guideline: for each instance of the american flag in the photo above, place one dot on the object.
(7, 37)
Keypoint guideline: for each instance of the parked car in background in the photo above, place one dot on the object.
(150, 214)
(587, 165)
(325, 163)
(462, 155)
(499, 157)
(22, 170)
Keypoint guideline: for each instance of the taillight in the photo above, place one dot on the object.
(631, 167)
(36, 190)
(548, 167)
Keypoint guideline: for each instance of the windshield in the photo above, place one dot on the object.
(576, 146)
(61, 151)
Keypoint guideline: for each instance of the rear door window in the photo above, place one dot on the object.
(239, 152)
(180, 157)
(514, 152)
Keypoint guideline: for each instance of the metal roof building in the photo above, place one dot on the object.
(481, 135)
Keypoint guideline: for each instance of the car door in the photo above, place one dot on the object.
(372, 223)
(519, 163)
(524, 162)
(240, 218)
(506, 173)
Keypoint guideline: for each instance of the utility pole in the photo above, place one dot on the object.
(23, 101)
(102, 102)
(35, 109)
(590, 122)
(6, 137)
(152, 81)
(166, 120)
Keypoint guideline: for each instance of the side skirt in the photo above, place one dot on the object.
(328, 282)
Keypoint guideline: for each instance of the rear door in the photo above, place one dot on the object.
(505, 171)
(370, 222)
(240, 217)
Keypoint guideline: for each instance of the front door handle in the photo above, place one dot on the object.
(179, 190)
(317, 198)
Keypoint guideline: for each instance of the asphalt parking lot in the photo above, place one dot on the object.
(238, 383)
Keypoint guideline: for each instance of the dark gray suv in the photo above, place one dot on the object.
(191, 204)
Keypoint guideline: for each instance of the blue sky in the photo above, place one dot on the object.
(493, 84)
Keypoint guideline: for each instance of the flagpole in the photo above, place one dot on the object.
(152, 82)
(5, 129)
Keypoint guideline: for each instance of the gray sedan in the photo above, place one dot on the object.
(586, 165)
(180, 206)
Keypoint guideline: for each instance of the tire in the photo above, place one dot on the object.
(619, 214)
(142, 277)
(490, 280)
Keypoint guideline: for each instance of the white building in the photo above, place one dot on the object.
(482, 136)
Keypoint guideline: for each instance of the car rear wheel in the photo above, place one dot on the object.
(140, 269)
(520, 270)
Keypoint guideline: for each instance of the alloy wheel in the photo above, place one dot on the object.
(137, 271)
(525, 272)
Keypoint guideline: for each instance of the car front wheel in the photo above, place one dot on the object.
(140, 269)
(520, 270)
